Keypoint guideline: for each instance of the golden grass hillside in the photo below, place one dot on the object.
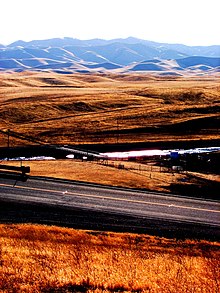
(77, 109)
(36, 258)
(133, 174)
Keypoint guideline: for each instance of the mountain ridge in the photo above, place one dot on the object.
(123, 55)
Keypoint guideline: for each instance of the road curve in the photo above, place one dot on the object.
(150, 207)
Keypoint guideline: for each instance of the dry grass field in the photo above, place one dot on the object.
(133, 175)
(91, 109)
(108, 108)
(37, 258)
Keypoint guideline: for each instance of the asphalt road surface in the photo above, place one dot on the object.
(98, 207)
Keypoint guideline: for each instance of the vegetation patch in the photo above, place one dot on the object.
(36, 258)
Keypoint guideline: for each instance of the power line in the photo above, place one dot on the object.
(14, 134)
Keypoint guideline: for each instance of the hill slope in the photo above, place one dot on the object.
(122, 55)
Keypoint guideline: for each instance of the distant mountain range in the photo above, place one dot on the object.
(68, 55)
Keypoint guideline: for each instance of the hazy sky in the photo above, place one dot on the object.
(191, 22)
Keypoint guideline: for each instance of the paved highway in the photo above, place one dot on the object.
(112, 200)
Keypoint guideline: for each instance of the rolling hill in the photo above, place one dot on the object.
(118, 55)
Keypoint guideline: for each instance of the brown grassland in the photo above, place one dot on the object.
(108, 108)
(134, 174)
(36, 258)
(100, 109)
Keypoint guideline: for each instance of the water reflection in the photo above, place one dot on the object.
(151, 153)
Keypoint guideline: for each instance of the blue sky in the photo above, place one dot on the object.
(190, 22)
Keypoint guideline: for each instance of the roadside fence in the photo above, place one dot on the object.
(140, 167)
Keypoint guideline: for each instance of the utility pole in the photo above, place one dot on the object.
(8, 138)
(117, 130)
(8, 142)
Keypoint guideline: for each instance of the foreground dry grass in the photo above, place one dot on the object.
(52, 259)
(76, 109)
